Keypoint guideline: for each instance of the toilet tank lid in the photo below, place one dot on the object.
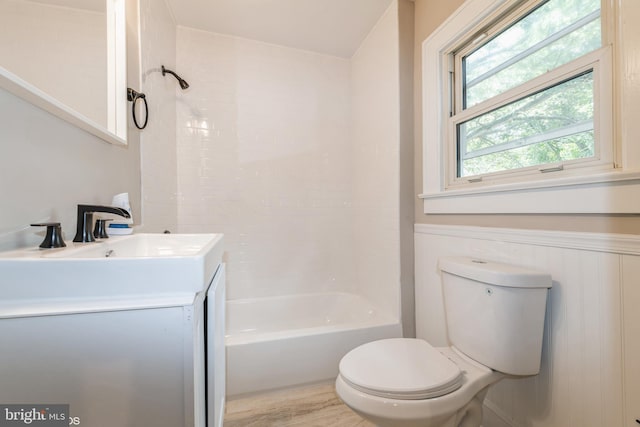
(495, 273)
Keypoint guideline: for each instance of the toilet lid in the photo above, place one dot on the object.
(400, 368)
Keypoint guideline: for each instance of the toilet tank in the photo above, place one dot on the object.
(495, 312)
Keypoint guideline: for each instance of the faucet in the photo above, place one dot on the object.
(84, 223)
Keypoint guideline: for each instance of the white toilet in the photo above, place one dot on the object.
(495, 321)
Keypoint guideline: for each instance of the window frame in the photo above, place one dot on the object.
(599, 61)
(572, 190)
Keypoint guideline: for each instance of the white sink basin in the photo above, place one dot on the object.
(119, 268)
(138, 246)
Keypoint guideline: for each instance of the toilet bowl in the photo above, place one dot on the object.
(426, 387)
(495, 318)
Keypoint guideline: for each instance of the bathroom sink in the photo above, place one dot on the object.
(156, 266)
(138, 246)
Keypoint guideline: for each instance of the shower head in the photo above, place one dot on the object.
(183, 84)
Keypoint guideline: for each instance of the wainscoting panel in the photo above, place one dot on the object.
(631, 319)
(589, 375)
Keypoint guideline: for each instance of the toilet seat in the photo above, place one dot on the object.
(400, 368)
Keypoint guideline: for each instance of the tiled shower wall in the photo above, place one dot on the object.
(293, 155)
(375, 116)
(157, 141)
(264, 156)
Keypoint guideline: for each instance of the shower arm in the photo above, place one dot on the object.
(183, 84)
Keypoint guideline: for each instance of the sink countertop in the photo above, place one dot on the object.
(140, 271)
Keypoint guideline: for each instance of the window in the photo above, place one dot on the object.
(525, 92)
(596, 168)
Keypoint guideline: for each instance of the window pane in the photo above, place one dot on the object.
(552, 35)
(550, 126)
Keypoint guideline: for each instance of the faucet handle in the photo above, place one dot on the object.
(53, 238)
(100, 230)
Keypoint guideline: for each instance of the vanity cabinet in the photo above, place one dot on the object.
(139, 362)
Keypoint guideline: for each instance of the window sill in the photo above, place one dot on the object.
(605, 193)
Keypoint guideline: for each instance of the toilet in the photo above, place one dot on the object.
(495, 321)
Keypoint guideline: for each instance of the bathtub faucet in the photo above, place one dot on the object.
(84, 220)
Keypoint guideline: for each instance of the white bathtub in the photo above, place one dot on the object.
(290, 340)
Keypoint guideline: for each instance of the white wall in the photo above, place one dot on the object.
(375, 133)
(589, 375)
(48, 167)
(158, 140)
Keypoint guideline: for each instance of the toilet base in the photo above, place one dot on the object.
(469, 416)
(384, 422)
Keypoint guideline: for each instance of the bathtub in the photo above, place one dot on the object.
(285, 341)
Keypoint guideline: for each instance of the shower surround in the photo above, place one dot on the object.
(294, 155)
